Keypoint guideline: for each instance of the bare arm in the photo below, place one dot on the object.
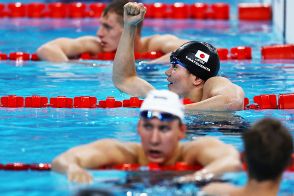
(74, 161)
(165, 43)
(60, 50)
(214, 155)
(124, 71)
(219, 94)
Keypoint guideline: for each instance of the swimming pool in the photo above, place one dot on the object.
(38, 135)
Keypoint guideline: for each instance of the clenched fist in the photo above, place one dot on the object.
(133, 13)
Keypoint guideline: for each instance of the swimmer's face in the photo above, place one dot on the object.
(181, 81)
(160, 139)
(110, 31)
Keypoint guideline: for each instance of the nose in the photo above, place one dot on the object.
(168, 72)
(100, 32)
(155, 137)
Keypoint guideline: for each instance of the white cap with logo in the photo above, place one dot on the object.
(164, 101)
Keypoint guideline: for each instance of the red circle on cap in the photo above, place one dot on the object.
(202, 56)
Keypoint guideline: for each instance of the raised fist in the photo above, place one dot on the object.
(133, 13)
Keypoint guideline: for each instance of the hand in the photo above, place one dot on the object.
(133, 13)
(198, 177)
(79, 175)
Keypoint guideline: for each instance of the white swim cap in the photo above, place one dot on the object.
(164, 101)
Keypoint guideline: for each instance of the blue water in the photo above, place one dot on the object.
(38, 135)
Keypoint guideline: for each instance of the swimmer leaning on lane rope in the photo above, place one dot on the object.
(192, 73)
(160, 128)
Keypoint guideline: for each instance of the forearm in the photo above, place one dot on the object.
(220, 166)
(124, 61)
(62, 163)
(161, 60)
(216, 103)
(51, 53)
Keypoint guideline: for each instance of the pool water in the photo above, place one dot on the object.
(38, 135)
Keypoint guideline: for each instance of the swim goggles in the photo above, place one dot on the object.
(174, 60)
(162, 116)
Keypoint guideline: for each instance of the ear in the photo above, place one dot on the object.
(183, 130)
(197, 81)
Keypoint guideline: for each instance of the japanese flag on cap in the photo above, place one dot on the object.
(202, 56)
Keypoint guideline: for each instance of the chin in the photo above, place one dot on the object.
(157, 160)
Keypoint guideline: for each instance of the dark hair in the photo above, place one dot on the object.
(117, 7)
(268, 148)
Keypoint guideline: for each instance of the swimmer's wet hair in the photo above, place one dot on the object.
(268, 148)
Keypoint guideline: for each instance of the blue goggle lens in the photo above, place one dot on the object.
(162, 116)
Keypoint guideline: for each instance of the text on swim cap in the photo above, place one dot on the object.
(198, 64)
(158, 97)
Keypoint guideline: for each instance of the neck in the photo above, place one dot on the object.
(268, 188)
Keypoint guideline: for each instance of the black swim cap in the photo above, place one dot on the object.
(199, 58)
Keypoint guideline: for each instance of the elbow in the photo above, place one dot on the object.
(117, 82)
(235, 102)
(56, 164)
(44, 51)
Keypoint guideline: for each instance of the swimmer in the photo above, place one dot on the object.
(160, 127)
(192, 73)
(107, 38)
(268, 146)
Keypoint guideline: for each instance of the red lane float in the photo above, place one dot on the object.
(16, 166)
(96, 9)
(85, 102)
(254, 11)
(3, 56)
(61, 102)
(220, 11)
(19, 56)
(177, 10)
(77, 10)
(34, 57)
(40, 166)
(241, 53)
(266, 101)
(133, 102)
(223, 53)
(16, 10)
(57, 10)
(278, 51)
(36, 10)
(199, 10)
(158, 10)
(179, 166)
(12, 101)
(36, 101)
(110, 102)
(245, 103)
(286, 101)
(180, 10)
(269, 101)
(2, 13)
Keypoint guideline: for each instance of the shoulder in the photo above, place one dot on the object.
(203, 141)
(219, 189)
(160, 39)
(221, 85)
